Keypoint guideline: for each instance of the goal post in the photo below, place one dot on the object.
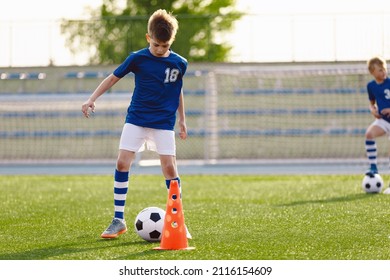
(211, 118)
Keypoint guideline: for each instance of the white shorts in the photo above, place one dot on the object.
(384, 125)
(137, 139)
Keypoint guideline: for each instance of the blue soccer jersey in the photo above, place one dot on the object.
(158, 84)
(381, 94)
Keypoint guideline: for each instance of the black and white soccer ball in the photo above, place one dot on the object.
(149, 224)
(372, 183)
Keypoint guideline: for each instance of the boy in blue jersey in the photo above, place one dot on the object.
(151, 116)
(379, 95)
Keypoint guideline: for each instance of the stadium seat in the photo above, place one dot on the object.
(86, 75)
(23, 76)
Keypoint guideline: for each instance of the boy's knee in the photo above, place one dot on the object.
(169, 169)
(369, 135)
(123, 162)
(373, 132)
(122, 166)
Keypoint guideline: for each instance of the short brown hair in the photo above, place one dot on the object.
(162, 26)
(376, 61)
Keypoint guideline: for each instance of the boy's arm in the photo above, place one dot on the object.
(182, 117)
(105, 85)
(374, 109)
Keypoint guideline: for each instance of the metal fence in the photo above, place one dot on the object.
(234, 111)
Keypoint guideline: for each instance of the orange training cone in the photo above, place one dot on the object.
(174, 231)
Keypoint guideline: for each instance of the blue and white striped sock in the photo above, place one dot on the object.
(168, 183)
(121, 184)
(371, 152)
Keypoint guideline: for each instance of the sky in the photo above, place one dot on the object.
(312, 30)
(274, 31)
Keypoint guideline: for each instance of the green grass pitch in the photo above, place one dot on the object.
(317, 217)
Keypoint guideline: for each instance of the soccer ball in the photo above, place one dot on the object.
(149, 224)
(372, 183)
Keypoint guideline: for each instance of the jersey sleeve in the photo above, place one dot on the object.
(181, 62)
(184, 65)
(126, 67)
(184, 68)
(371, 95)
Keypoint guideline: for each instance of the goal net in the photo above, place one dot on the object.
(234, 111)
(302, 112)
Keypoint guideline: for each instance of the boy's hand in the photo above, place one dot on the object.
(386, 112)
(183, 130)
(85, 107)
(374, 111)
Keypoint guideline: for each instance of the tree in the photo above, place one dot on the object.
(112, 32)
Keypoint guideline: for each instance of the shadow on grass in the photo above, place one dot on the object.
(142, 254)
(329, 200)
(55, 252)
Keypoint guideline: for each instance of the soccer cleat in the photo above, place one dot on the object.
(116, 228)
(371, 171)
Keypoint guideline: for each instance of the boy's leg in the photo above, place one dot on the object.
(168, 183)
(169, 168)
(376, 129)
(121, 182)
(166, 148)
(372, 154)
